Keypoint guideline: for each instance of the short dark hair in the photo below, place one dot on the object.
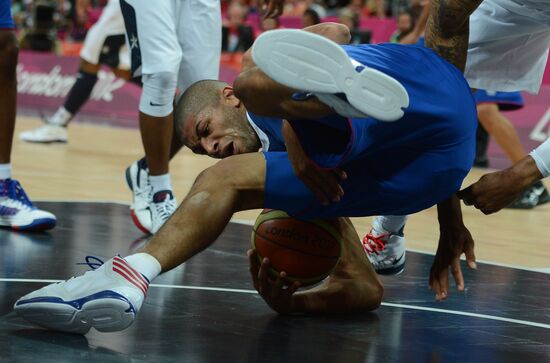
(196, 98)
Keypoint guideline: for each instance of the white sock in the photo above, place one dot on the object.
(160, 182)
(392, 224)
(61, 117)
(145, 264)
(5, 171)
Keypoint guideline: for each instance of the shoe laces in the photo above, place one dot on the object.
(13, 191)
(374, 244)
(92, 262)
(165, 205)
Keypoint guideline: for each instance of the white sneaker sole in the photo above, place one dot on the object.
(105, 315)
(310, 62)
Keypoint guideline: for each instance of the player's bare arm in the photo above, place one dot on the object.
(447, 34)
(447, 30)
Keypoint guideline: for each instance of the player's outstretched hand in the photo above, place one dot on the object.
(493, 191)
(272, 8)
(453, 242)
(277, 292)
(325, 184)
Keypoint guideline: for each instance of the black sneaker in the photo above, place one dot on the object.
(532, 196)
(544, 196)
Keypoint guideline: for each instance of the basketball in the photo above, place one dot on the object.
(306, 250)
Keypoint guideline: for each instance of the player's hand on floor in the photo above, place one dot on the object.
(277, 292)
(492, 192)
(325, 184)
(453, 242)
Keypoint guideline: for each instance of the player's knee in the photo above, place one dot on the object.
(218, 176)
(8, 49)
(157, 95)
(374, 299)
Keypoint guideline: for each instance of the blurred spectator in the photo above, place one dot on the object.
(236, 35)
(404, 27)
(269, 24)
(350, 18)
(310, 17)
(358, 7)
(42, 33)
(319, 9)
(376, 8)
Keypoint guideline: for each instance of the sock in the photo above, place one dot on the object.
(160, 182)
(392, 224)
(61, 117)
(5, 171)
(80, 91)
(145, 264)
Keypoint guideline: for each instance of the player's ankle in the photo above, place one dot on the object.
(145, 264)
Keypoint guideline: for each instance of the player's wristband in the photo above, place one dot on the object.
(541, 155)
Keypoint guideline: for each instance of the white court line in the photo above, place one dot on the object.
(402, 306)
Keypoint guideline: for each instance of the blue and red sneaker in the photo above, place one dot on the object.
(17, 211)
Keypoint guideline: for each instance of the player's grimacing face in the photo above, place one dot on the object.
(221, 132)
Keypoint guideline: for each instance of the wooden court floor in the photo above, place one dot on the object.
(91, 168)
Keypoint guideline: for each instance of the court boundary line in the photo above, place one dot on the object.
(247, 222)
(387, 304)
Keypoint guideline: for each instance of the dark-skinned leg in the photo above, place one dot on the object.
(8, 92)
(263, 96)
(233, 184)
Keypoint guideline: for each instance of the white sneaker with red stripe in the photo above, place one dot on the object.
(386, 251)
(106, 299)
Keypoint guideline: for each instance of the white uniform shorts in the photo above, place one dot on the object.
(508, 46)
(177, 36)
(105, 42)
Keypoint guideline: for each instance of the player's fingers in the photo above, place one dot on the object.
(466, 195)
(263, 276)
(340, 174)
(293, 287)
(471, 256)
(254, 267)
(329, 184)
(457, 274)
(278, 285)
(443, 284)
(314, 183)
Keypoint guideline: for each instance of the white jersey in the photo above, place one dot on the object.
(107, 33)
(508, 46)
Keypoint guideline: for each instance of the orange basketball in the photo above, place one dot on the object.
(306, 250)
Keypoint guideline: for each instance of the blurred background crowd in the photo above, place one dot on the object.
(54, 25)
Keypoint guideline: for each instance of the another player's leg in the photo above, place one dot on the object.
(310, 62)
(16, 210)
(55, 127)
(156, 54)
(385, 244)
(110, 297)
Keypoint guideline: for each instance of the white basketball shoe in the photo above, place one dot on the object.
(137, 177)
(107, 299)
(45, 134)
(386, 251)
(313, 63)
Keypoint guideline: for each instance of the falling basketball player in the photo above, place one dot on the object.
(351, 162)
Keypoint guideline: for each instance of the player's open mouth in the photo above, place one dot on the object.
(229, 149)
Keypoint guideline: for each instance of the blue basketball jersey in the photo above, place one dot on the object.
(6, 20)
(393, 167)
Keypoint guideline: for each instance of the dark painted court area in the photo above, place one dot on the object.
(206, 311)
